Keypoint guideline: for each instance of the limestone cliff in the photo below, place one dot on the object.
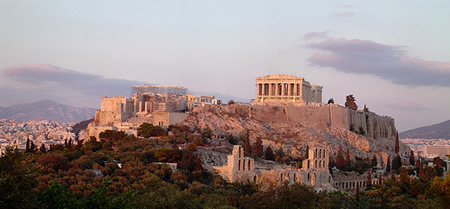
(292, 127)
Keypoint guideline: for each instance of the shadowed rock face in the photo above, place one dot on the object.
(292, 127)
(46, 110)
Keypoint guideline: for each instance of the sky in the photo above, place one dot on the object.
(391, 55)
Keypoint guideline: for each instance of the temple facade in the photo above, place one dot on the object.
(280, 88)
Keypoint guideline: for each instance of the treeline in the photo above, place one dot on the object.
(123, 171)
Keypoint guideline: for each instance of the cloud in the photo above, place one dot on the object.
(344, 14)
(319, 35)
(37, 82)
(385, 61)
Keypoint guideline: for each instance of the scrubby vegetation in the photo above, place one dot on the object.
(121, 171)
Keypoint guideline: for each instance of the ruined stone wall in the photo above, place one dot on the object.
(312, 116)
(164, 118)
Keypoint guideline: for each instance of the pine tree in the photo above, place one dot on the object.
(268, 154)
(388, 166)
(412, 160)
(397, 148)
(350, 102)
(374, 161)
(340, 162)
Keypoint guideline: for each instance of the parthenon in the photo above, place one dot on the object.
(286, 89)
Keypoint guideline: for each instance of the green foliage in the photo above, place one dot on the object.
(148, 130)
(268, 154)
(284, 196)
(18, 175)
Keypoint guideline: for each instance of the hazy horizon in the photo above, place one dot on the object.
(392, 56)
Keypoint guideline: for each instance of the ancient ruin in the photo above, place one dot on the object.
(280, 88)
(156, 104)
(314, 171)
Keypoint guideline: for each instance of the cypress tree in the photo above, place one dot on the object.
(388, 166)
(374, 161)
(369, 180)
(412, 160)
(357, 192)
(257, 147)
(347, 157)
(247, 150)
(42, 149)
(397, 148)
(340, 162)
(27, 148)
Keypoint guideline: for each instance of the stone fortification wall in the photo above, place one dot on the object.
(311, 116)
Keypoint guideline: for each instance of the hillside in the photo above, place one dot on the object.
(292, 128)
(436, 131)
(46, 110)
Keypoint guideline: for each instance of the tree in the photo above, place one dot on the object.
(420, 170)
(307, 152)
(340, 162)
(397, 148)
(247, 150)
(357, 193)
(412, 160)
(268, 154)
(438, 162)
(42, 149)
(388, 166)
(369, 180)
(257, 148)
(374, 161)
(347, 157)
(230, 102)
(350, 102)
(366, 109)
(396, 163)
(330, 101)
(27, 148)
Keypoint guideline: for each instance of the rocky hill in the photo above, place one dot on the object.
(293, 127)
(436, 131)
(46, 110)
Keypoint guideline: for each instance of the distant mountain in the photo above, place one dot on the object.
(436, 131)
(46, 110)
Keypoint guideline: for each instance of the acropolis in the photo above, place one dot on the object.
(281, 88)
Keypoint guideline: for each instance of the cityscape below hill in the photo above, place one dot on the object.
(46, 110)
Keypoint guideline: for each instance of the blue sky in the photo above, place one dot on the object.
(391, 55)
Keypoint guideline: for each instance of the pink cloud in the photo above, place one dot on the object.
(385, 61)
(314, 34)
